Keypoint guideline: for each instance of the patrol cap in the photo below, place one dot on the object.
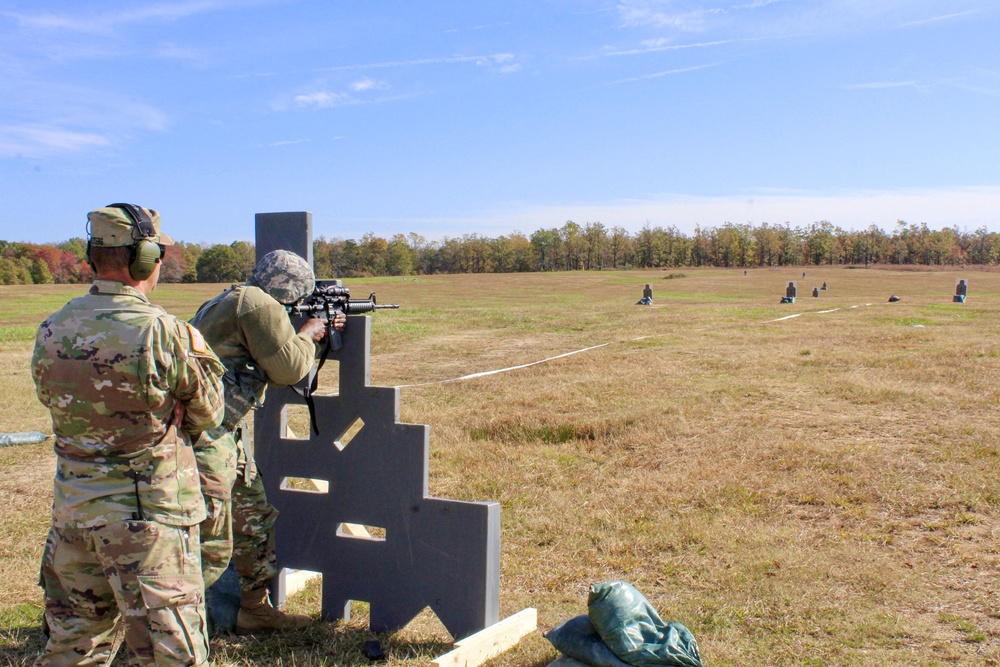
(284, 275)
(111, 227)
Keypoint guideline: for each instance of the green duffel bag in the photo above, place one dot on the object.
(634, 631)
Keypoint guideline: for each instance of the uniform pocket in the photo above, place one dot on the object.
(216, 539)
(176, 610)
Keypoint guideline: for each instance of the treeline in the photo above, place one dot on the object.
(571, 247)
(66, 262)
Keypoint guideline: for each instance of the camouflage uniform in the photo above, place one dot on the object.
(216, 453)
(250, 331)
(123, 549)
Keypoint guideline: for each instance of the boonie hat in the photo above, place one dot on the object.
(285, 276)
(111, 227)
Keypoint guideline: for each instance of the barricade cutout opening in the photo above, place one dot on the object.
(294, 422)
(305, 485)
(345, 438)
(359, 531)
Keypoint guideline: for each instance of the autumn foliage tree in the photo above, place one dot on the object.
(572, 246)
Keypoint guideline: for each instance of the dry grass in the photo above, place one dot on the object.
(813, 491)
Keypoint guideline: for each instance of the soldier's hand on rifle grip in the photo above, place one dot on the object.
(315, 328)
(339, 322)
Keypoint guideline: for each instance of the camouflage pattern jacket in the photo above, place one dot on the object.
(110, 367)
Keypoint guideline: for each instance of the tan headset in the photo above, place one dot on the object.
(145, 253)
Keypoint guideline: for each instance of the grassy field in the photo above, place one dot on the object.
(814, 490)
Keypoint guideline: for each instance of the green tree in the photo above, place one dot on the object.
(220, 264)
(373, 252)
(399, 259)
(191, 254)
(523, 253)
(75, 245)
(644, 247)
(500, 255)
(546, 243)
(420, 251)
(246, 258)
(40, 272)
(321, 258)
(597, 240)
(819, 243)
(619, 244)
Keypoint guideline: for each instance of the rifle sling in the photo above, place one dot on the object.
(307, 393)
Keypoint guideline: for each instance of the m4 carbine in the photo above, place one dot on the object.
(329, 298)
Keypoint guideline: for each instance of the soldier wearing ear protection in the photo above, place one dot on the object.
(128, 387)
(128, 225)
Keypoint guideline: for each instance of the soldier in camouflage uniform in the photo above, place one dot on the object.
(127, 385)
(248, 327)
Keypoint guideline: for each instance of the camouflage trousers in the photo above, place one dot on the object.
(241, 528)
(140, 576)
(216, 539)
(254, 558)
(217, 454)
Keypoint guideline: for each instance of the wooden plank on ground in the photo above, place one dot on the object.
(293, 581)
(490, 642)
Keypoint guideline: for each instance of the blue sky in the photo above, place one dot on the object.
(446, 118)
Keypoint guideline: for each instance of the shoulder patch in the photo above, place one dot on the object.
(197, 340)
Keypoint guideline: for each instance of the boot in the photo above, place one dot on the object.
(257, 615)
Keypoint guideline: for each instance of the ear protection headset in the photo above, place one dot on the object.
(144, 254)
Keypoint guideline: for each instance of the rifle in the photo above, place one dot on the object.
(331, 297)
(327, 299)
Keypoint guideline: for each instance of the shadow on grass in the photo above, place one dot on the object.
(321, 644)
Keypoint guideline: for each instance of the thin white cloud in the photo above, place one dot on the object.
(368, 84)
(757, 4)
(877, 85)
(656, 14)
(663, 14)
(974, 88)
(140, 13)
(653, 46)
(669, 72)
(364, 90)
(292, 142)
(175, 52)
(44, 119)
(936, 19)
(477, 27)
(673, 21)
(494, 59)
(39, 141)
(324, 100)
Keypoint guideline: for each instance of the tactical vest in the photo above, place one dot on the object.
(245, 382)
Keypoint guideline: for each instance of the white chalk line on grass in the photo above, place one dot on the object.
(473, 376)
(815, 312)
(504, 370)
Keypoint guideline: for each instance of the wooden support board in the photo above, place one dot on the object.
(477, 648)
